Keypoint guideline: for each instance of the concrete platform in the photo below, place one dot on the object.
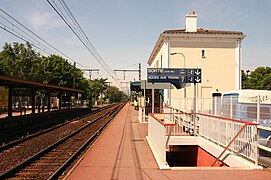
(122, 152)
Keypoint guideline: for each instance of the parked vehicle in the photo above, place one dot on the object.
(248, 105)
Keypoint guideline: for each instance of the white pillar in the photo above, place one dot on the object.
(238, 63)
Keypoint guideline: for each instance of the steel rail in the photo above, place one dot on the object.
(30, 160)
(41, 132)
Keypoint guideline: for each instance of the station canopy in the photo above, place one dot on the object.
(135, 86)
(19, 83)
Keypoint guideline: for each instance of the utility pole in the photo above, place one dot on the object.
(90, 71)
(139, 71)
(132, 70)
(73, 78)
(126, 86)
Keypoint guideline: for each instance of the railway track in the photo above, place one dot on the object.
(43, 131)
(13, 128)
(51, 160)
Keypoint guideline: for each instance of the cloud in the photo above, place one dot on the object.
(44, 20)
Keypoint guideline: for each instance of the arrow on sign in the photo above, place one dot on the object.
(197, 79)
(197, 72)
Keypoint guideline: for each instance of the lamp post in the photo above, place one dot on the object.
(182, 55)
(184, 66)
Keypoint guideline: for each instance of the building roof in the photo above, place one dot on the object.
(202, 31)
(19, 83)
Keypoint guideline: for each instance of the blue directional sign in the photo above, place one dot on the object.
(175, 76)
(164, 75)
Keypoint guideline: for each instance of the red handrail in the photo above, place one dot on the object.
(246, 124)
(164, 124)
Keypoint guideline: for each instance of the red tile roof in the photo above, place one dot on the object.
(202, 31)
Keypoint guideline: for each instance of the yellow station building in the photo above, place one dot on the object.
(217, 52)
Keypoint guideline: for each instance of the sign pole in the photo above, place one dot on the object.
(144, 110)
(195, 108)
(144, 91)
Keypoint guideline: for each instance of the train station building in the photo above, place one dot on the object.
(190, 108)
(218, 53)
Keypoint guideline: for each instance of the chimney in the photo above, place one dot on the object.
(191, 22)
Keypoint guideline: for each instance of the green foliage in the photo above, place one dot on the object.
(19, 61)
(115, 95)
(97, 87)
(260, 78)
(56, 70)
(22, 62)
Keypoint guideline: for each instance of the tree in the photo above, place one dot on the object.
(267, 82)
(97, 87)
(19, 60)
(56, 70)
(115, 95)
(260, 78)
(22, 62)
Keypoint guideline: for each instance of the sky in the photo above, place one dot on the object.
(124, 32)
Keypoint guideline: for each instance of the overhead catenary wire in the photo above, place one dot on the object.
(62, 17)
(47, 48)
(17, 34)
(79, 33)
(22, 38)
(14, 26)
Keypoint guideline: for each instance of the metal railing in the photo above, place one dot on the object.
(257, 110)
(221, 131)
(213, 122)
(228, 107)
(143, 112)
(184, 123)
(217, 129)
(234, 135)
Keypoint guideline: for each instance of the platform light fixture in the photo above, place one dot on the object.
(184, 66)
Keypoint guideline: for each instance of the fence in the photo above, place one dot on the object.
(223, 131)
(230, 107)
(218, 129)
(220, 119)
(143, 112)
(184, 123)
